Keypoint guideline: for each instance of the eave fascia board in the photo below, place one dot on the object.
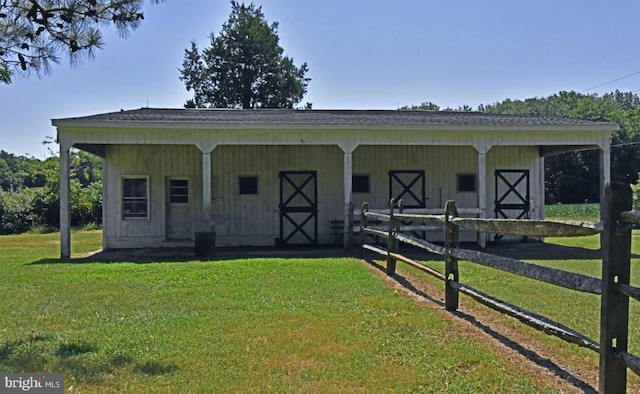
(74, 123)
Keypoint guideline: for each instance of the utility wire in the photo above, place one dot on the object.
(625, 144)
(610, 82)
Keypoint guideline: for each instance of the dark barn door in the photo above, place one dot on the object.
(408, 185)
(512, 194)
(298, 208)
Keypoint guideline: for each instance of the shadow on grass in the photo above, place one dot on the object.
(531, 355)
(529, 250)
(545, 363)
(183, 255)
(82, 360)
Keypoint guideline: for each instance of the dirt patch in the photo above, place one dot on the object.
(513, 344)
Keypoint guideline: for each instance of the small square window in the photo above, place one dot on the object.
(360, 184)
(248, 184)
(179, 191)
(466, 182)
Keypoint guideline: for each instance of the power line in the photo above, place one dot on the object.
(610, 82)
(625, 144)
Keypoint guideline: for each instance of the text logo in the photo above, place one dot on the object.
(39, 383)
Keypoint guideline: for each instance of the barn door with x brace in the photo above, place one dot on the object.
(512, 194)
(408, 185)
(298, 208)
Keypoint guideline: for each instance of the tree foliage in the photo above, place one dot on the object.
(424, 106)
(30, 197)
(429, 106)
(244, 66)
(34, 33)
(570, 176)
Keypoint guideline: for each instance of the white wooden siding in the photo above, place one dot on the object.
(254, 219)
(441, 165)
(157, 162)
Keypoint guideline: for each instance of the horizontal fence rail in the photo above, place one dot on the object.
(614, 288)
(556, 277)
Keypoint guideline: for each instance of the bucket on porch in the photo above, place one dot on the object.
(205, 243)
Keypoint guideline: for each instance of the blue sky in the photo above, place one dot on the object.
(361, 54)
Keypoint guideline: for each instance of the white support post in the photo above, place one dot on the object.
(605, 167)
(541, 194)
(105, 207)
(482, 189)
(65, 203)
(206, 190)
(348, 174)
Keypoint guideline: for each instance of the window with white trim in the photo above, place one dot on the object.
(135, 197)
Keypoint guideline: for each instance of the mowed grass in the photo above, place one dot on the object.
(577, 310)
(257, 325)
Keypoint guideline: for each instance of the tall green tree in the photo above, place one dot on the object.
(34, 33)
(570, 176)
(244, 66)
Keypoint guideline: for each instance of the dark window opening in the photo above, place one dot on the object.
(248, 184)
(179, 191)
(467, 183)
(360, 184)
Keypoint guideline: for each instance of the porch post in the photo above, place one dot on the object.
(482, 188)
(207, 223)
(105, 207)
(348, 173)
(65, 203)
(206, 190)
(605, 168)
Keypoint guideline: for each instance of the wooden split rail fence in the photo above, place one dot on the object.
(614, 287)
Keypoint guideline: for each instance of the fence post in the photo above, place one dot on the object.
(391, 242)
(450, 263)
(614, 308)
(363, 223)
(350, 241)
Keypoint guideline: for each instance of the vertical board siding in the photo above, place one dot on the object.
(157, 162)
(441, 165)
(254, 219)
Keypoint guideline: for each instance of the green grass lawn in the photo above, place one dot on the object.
(258, 325)
(579, 311)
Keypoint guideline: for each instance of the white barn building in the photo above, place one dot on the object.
(281, 177)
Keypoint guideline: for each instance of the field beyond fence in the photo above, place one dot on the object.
(573, 211)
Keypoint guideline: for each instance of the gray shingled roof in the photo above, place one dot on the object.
(280, 116)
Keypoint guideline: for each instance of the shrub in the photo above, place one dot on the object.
(17, 210)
